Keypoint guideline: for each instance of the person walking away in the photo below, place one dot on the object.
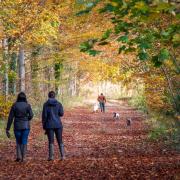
(102, 100)
(21, 113)
(51, 121)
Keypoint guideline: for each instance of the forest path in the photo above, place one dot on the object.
(97, 147)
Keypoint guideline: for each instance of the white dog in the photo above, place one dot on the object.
(95, 107)
(116, 115)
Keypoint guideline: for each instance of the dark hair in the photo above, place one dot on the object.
(101, 93)
(21, 97)
(51, 94)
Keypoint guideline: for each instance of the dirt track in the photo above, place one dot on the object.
(97, 147)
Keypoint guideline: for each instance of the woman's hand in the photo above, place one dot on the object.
(8, 134)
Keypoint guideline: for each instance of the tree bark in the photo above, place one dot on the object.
(5, 58)
(13, 67)
(21, 61)
(170, 87)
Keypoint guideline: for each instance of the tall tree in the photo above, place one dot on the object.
(5, 59)
(147, 29)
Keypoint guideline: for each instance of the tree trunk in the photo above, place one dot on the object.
(170, 87)
(5, 58)
(13, 67)
(34, 77)
(21, 62)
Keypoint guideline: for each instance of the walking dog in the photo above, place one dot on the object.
(128, 121)
(95, 108)
(116, 116)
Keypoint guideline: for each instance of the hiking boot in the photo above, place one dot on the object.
(23, 152)
(18, 153)
(51, 152)
(61, 149)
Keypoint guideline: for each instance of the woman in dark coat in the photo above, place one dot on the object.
(51, 121)
(21, 113)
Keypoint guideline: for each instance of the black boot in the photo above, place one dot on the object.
(51, 152)
(61, 149)
(18, 153)
(23, 152)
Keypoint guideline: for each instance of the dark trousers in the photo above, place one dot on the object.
(22, 136)
(102, 106)
(57, 132)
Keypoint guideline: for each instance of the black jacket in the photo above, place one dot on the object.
(21, 113)
(52, 111)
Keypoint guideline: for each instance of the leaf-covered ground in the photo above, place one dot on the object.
(97, 147)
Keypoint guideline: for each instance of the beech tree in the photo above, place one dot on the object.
(147, 29)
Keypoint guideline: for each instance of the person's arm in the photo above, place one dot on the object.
(30, 113)
(104, 99)
(61, 110)
(10, 118)
(44, 116)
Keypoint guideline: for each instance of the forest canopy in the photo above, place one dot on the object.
(148, 31)
(68, 45)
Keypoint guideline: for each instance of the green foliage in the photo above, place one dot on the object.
(156, 61)
(89, 6)
(87, 47)
(106, 35)
(165, 128)
(122, 48)
(58, 67)
(160, 131)
(123, 39)
(93, 52)
(122, 26)
(143, 29)
(149, 29)
(163, 54)
(143, 56)
(139, 101)
(108, 8)
(3, 136)
(55, 24)
(144, 45)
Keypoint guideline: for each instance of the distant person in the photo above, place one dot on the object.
(102, 100)
(51, 121)
(21, 113)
